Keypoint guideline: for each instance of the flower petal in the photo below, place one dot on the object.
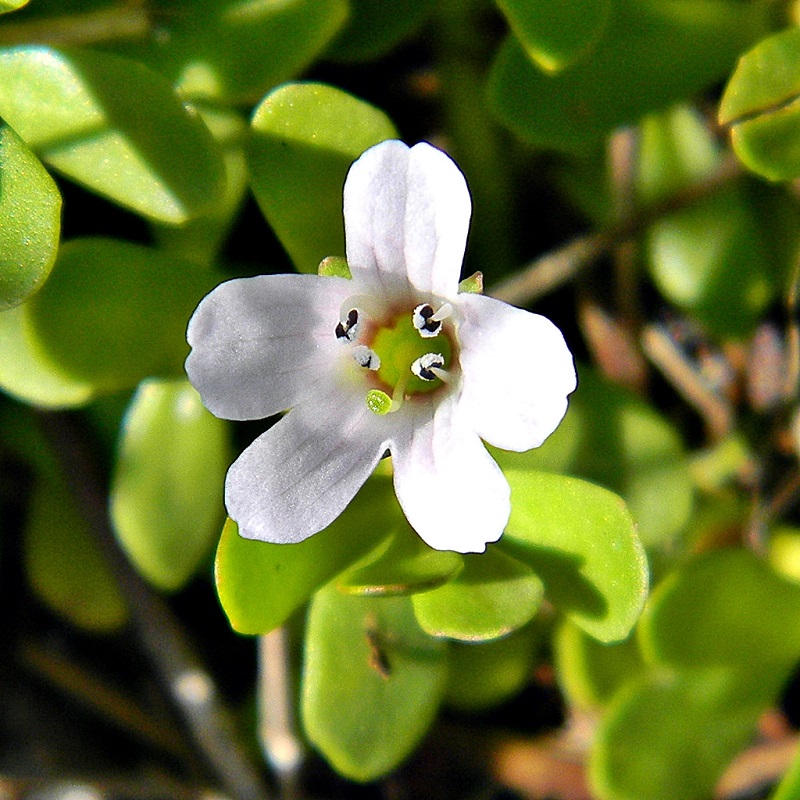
(261, 345)
(517, 373)
(451, 490)
(296, 478)
(406, 214)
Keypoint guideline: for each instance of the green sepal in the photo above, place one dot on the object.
(334, 266)
(473, 284)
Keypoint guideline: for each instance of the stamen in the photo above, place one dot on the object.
(348, 329)
(430, 367)
(366, 358)
(425, 322)
(443, 313)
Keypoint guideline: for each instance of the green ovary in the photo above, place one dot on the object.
(399, 347)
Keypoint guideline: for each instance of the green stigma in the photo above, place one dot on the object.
(378, 402)
(398, 347)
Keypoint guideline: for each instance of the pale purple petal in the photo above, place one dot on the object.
(261, 345)
(406, 213)
(451, 490)
(517, 373)
(296, 478)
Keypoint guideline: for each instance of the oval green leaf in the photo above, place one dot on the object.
(28, 373)
(372, 681)
(581, 541)
(493, 595)
(261, 584)
(305, 137)
(11, 5)
(65, 566)
(166, 490)
(555, 34)
(114, 313)
(652, 53)
(30, 208)
(761, 104)
(114, 126)
(726, 608)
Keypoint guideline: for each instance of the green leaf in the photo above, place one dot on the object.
(114, 126)
(581, 541)
(789, 787)
(493, 595)
(761, 104)
(26, 370)
(406, 565)
(11, 5)
(113, 313)
(590, 673)
(305, 137)
(784, 551)
(64, 565)
(372, 682)
(668, 737)
(726, 608)
(652, 53)
(261, 584)
(711, 259)
(30, 207)
(611, 437)
(555, 34)
(166, 490)
(235, 50)
(371, 31)
(481, 676)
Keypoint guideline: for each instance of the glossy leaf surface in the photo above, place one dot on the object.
(304, 138)
(372, 681)
(554, 34)
(581, 541)
(113, 313)
(493, 595)
(114, 126)
(30, 210)
(166, 491)
(261, 584)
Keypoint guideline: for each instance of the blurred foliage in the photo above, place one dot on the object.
(132, 136)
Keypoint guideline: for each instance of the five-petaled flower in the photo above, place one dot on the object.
(395, 358)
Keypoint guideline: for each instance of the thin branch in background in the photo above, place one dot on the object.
(792, 385)
(717, 412)
(277, 732)
(160, 635)
(554, 269)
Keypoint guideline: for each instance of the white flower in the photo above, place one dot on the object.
(395, 359)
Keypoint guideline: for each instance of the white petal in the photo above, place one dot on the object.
(261, 345)
(296, 478)
(451, 490)
(517, 373)
(406, 215)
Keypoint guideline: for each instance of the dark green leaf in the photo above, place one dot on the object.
(372, 681)
(581, 541)
(114, 126)
(113, 313)
(305, 137)
(554, 34)
(261, 584)
(166, 491)
(30, 208)
(492, 596)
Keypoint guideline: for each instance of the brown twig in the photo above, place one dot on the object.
(559, 266)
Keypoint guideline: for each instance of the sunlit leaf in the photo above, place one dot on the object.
(554, 34)
(491, 596)
(63, 563)
(114, 126)
(11, 5)
(305, 136)
(30, 206)
(581, 541)
(761, 105)
(113, 313)
(166, 491)
(372, 681)
(261, 584)
(652, 53)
